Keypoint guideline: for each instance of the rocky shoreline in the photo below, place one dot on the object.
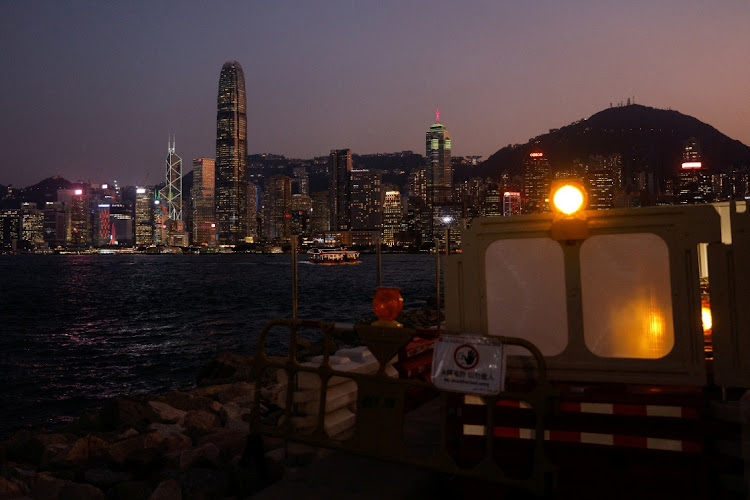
(182, 445)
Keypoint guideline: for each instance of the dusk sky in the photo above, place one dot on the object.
(90, 90)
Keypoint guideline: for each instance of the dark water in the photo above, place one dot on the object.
(76, 330)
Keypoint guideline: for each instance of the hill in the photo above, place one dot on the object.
(648, 138)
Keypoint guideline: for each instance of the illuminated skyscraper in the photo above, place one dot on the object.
(366, 203)
(172, 191)
(202, 193)
(144, 216)
(231, 155)
(340, 169)
(438, 152)
(536, 183)
(278, 208)
(392, 216)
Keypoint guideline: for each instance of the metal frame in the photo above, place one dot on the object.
(681, 227)
(380, 415)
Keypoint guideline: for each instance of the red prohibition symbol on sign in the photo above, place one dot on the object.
(466, 357)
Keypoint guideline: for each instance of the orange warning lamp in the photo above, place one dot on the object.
(387, 305)
(568, 197)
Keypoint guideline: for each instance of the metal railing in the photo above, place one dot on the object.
(381, 404)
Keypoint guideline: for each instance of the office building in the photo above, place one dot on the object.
(277, 205)
(202, 194)
(438, 153)
(392, 216)
(340, 168)
(536, 183)
(366, 199)
(231, 156)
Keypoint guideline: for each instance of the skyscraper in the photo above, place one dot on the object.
(438, 146)
(144, 216)
(536, 183)
(204, 187)
(340, 169)
(366, 199)
(231, 155)
(278, 208)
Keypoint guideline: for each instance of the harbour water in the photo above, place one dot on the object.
(76, 330)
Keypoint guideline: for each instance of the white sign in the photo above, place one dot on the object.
(472, 365)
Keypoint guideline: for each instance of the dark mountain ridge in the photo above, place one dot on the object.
(649, 139)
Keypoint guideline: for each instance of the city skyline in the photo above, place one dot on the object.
(88, 82)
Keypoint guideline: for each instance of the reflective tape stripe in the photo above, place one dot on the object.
(590, 438)
(601, 408)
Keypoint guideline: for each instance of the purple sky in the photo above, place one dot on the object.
(90, 90)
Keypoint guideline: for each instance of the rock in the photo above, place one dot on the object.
(130, 490)
(47, 487)
(119, 451)
(229, 442)
(145, 463)
(167, 413)
(9, 489)
(78, 491)
(202, 455)
(242, 393)
(167, 490)
(127, 412)
(216, 407)
(185, 401)
(166, 430)
(85, 448)
(226, 367)
(128, 433)
(24, 446)
(104, 478)
(209, 483)
(199, 422)
(177, 442)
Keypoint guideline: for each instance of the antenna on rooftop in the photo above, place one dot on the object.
(437, 115)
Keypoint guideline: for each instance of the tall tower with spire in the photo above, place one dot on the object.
(231, 155)
(438, 146)
(172, 191)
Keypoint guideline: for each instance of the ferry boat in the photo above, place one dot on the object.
(333, 256)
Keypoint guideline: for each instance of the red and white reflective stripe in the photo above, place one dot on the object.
(602, 408)
(622, 440)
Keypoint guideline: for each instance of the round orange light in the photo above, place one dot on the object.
(388, 303)
(568, 199)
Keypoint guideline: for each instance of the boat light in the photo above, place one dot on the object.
(387, 305)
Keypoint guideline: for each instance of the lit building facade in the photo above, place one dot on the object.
(10, 229)
(32, 225)
(536, 183)
(202, 194)
(320, 216)
(231, 155)
(438, 153)
(600, 186)
(366, 199)
(340, 168)
(54, 224)
(278, 209)
(392, 217)
(694, 183)
(511, 203)
(144, 216)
